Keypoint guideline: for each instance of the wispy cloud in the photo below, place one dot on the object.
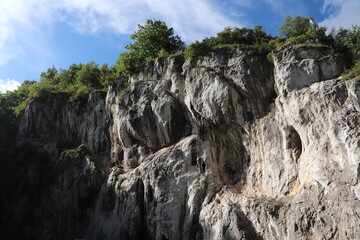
(8, 85)
(331, 7)
(345, 13)
(191, 19)
(21, 27)
(25, 24)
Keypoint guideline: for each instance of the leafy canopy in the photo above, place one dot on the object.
(150, 41)
(347, 38)
(253, 39)
(292, 27)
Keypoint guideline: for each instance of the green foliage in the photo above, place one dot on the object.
(72, 153)
(256, 41)
(150, 40)
(293, 27)
(163, 53)
(40, 89)
(78, 80)
(89, 76)
(107, 75)
(270, 57)
(276, 43)
(129, 63)
(243, 36)
(18, 110)
(154, 36)
(197, 49)
(312, 35)
(50, 75)
(80, 94)
(298, 30)
(347, 39)
(68, 77)
(353, 73)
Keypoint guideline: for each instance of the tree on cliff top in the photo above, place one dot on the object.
(293, 27)
(149, 40)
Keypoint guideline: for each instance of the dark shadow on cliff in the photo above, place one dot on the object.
(27, 176)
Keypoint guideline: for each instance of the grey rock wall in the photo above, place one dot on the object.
(228, 146)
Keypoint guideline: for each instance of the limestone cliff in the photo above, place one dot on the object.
(228, 146)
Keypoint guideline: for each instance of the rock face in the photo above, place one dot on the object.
(300, 67)
(228, 146)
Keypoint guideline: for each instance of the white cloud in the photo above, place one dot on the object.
(190, 19)
(21, 25)
(330, 7)
(346, 13)
(26, 25)
(193, 20)
(8, 85)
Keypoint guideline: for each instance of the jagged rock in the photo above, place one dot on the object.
(162, 68)
(204, 149)
(299, 67)
(159, 199)
(58, 124)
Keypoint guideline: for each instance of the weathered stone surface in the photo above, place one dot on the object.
(205, 149)
(57, 124)
(298, 67)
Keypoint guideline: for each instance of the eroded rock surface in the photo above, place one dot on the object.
(206, 149)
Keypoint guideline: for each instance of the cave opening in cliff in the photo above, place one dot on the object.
(294, 142)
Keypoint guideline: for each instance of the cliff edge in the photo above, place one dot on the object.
(227, 146)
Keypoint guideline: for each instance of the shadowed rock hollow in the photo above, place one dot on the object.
(229, 146)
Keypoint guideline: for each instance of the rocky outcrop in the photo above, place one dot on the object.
(54, 123)
(228, 146)
(299, 67)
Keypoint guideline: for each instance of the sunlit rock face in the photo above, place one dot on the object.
(227, 146)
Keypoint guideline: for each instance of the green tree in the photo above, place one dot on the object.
(153, 37)
(68, 76)
(89, 75)
(129, 63)
(293, 27)
(347, 38)
(107, 75)
(49, 74)
(149, 40)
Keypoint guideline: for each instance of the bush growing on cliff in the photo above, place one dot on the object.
(347, 39)
(149, 40)
(298, 30)
(353, 73)
(79, 80)
(312, 35)
(254, 40)
(129, 63)
(197, 49)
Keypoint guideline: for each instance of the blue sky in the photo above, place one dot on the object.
(38, 34)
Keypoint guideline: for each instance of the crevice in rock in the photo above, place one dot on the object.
(293, 142)
(201, 164)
